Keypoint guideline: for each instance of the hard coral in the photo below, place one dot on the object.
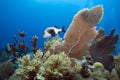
(50, 44)
(28, 66)
(59, 66)
(98, 65)
(34, 43)
(47, 66)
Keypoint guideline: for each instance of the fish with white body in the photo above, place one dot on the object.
(52, 31)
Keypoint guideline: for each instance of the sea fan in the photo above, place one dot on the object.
(101, 51)
(100, 35)
(81, 31)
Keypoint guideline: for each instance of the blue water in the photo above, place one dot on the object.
(33, 16)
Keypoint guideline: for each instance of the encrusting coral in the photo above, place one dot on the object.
(80, 32)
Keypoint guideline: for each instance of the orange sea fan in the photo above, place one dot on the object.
(81, 31)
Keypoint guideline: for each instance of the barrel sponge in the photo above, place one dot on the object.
(81, 31)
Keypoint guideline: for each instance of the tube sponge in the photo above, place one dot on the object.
(81, 31)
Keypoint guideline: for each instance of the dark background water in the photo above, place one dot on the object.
(33, 16)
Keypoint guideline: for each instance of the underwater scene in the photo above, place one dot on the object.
(59, 40)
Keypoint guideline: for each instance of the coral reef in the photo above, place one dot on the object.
(80, 32)
(59, 66)
(28, 67)
(6, 70)
(73, 58)
(47, 66)
(50, 44)
(97, 72)
(20, 46)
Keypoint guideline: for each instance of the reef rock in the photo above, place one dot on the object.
(6, 70)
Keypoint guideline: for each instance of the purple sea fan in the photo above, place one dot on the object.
(101, 51)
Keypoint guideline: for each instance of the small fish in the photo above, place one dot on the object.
(8, 48)
(52, 31)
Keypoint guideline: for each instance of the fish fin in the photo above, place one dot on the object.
(55, 26)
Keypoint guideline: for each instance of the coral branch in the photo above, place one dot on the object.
(34, 43)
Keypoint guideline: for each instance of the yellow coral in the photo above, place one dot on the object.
(28, 65)
(98, 65)
(42, 66)
(58, 65)
(51, 43)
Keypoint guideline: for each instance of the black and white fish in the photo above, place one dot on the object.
(52, 31)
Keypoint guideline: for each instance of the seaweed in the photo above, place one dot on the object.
(101, 50)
